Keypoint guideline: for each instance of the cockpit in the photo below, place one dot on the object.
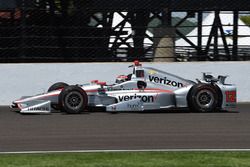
(138, 73)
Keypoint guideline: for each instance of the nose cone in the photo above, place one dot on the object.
(17, 103)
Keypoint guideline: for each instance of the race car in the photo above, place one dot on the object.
(145, 89)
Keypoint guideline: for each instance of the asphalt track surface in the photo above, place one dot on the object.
(125, 131)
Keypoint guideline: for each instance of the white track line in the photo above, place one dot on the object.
(149, 150)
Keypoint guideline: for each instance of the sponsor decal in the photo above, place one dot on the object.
(38, 109)
(136, 106)
(144, 98)
(152, 72)
(231, 96)
(165, 81)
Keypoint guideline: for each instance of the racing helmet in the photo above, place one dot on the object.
(121, 78)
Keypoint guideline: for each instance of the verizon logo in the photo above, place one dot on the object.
(165, 81)
(143, 98)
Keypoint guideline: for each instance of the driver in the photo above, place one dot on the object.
(121, 78)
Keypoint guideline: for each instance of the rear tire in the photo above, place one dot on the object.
(203, 98)
(73, 100)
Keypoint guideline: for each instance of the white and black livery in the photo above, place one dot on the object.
(145, 89)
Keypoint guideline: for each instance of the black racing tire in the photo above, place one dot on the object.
(73, 100)
(203, 98)
(56, 86)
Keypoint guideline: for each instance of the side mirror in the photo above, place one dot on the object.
(141, 84)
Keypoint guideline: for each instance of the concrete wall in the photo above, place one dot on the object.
(28, 79)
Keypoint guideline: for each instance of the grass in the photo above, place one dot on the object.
(128, 159)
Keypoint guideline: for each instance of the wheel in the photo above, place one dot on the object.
(73, 100)
(203, 98)
(56, 86)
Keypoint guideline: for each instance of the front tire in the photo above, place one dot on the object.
(73, 100)
(57, 86)
(203, 98)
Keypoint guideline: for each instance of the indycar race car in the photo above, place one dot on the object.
(144, 89)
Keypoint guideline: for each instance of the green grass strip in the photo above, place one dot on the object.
(128, 159)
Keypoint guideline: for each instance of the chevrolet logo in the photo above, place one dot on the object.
(152, 72)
